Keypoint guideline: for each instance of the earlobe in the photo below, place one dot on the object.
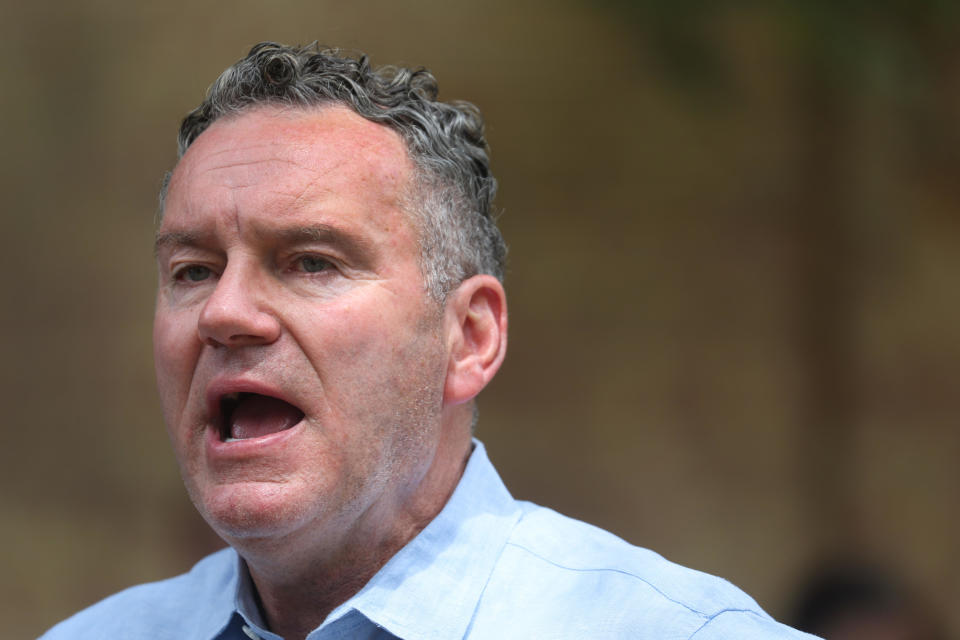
(477, 337)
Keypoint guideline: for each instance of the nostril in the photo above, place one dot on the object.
(236, 340)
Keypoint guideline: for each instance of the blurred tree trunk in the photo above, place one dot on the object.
(824, 288)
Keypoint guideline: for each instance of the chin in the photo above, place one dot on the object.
(250, 511)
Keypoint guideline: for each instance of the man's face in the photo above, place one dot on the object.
(299, 362)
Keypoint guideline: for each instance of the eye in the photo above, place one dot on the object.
(193, 273)
(313, 264)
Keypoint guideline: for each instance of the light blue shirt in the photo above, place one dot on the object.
(487, 567)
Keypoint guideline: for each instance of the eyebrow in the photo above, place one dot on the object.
(351, 243)
(175, 238)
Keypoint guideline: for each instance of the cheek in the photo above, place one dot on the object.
(175, 348)
(338, 332)
(366, 348)
(359, 345)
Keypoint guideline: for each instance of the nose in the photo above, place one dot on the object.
(237, 313)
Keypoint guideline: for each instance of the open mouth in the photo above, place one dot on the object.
(252, 415)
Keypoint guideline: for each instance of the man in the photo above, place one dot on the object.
(329, 306)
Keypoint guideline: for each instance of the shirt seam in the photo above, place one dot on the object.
(717, 615)
(626, 573)
(518, 517)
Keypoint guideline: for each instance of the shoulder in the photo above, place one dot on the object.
(179, 607)
(566, 579)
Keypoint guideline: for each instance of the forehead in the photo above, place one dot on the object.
(300, 154)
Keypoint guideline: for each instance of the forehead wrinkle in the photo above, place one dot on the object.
(300, 152)
(303, 166)
(301, 198)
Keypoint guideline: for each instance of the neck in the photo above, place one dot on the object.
(297, 590)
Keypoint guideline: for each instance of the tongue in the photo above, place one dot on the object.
(257, 415)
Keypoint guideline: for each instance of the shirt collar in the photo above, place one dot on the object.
(245, 601)
(219, 589)
(430, 589)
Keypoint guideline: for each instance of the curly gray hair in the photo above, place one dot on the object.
(454, 188)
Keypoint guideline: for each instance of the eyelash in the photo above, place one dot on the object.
(181, 274)
(298, 261)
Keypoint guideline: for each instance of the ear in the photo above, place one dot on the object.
(476, 322)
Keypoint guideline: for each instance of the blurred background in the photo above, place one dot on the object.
(733, 279)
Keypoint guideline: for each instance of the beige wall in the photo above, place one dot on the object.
(735, 326)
